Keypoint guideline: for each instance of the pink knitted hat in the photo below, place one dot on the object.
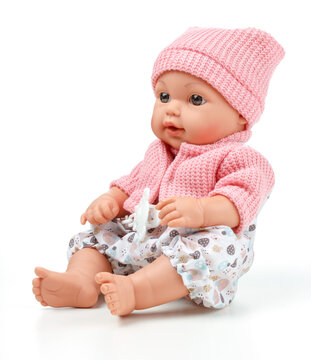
(238, 63)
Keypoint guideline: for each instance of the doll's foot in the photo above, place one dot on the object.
(64, 289)
(118, 291)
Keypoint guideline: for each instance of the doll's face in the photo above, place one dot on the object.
(188, 109)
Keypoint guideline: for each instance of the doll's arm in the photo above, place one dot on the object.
(203, 212)
(219, 210)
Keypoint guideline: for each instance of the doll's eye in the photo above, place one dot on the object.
(197, 100)
(164, 97)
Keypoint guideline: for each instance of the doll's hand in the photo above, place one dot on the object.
(181, 212)
(101, 210)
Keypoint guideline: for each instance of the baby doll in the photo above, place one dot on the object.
(210, 87)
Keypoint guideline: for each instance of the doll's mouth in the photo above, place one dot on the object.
(173, 130)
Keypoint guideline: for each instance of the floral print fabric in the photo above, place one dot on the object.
(210, 260)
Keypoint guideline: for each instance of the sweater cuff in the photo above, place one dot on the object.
(121, 185)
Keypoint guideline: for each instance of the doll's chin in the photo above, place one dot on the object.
(174, 143)
(169, 140)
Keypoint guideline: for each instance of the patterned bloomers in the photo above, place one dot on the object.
(210, 260)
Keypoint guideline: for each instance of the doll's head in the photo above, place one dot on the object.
(211, 83)
(188, 109)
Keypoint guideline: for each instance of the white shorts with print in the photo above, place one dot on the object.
(210, 260)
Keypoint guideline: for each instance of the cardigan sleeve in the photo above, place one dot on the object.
(145, 172)
(246, 178)
(127, 183)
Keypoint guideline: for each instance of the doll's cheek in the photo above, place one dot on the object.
(155, 125)
(204, 133)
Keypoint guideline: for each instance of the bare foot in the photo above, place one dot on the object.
(64, 289)
(118, 291)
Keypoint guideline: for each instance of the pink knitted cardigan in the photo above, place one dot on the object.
(226, 167)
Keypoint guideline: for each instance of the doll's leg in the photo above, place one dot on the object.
(76, 287)
(154, 284)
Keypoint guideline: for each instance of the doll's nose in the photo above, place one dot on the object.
(173, 108)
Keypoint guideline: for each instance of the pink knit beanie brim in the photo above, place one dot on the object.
(238, 63)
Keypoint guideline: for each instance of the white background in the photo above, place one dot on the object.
(75, 109)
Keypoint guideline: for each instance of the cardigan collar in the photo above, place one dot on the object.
(238, 137)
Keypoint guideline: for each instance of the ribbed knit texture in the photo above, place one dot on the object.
(238, 63)
(225, 167)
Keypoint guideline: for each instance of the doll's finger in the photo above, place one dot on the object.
(83, 219)
(180, 222)
(164, 202)
(92, 220)
(113, 206)
(166, 210)
(90, 217)
(106, 212)
(103, 218)
(171, 216)
(100, 219)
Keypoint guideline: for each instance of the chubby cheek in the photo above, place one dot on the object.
(156, 123)
(203, 132)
